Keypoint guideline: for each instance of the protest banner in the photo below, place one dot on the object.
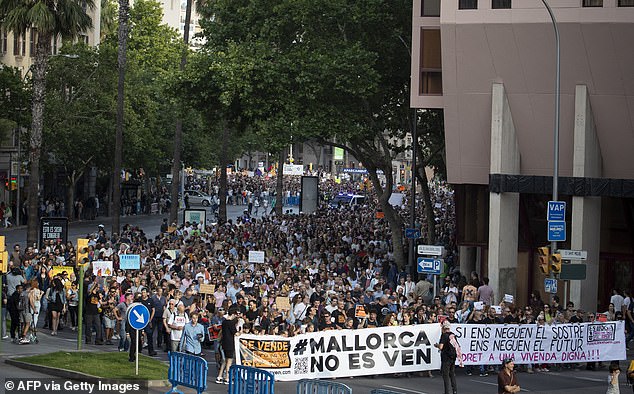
(171, 253)
(58, 269)
(129, 261)
(531, 343)
(283, 303)
(341, 353)
(256, 256)
(359, 311)
(102, 268)
(206, 289)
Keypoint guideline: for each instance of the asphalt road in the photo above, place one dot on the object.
(149, 223)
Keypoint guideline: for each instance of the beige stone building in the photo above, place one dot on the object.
(491, 66)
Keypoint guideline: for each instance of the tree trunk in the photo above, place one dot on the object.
(178, 132)
(42, 52)
(118, 146)
(279, 186)
(395, 222)
(70, 197)
(430, 217)
(222, 191)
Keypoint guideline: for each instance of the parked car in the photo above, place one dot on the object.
(198, 198)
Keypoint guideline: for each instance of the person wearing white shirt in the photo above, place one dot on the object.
(617, 300)
(177, 323)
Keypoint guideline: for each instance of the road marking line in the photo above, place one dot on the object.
(590, 379)
(401, 388)
(492, 384)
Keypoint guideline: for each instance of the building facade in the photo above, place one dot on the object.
(491, 66)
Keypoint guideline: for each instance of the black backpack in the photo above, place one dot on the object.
(23, 301)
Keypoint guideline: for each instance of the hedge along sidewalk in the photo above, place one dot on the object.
(92, 366)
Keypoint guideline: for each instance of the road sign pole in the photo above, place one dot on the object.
(435, 276)
(136, 359)
(80, 306)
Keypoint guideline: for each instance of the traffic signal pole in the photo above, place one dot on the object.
(553, 244)
(80, 306)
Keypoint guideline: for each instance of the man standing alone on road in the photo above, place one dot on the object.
(449, 351)
(507, 381)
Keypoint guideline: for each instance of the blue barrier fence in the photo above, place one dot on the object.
(187, 370)
(249, 380)
(310, 386)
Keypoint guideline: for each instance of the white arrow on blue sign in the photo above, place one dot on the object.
(556, 210)
(429, 266)
(412, 233)
(138, 316)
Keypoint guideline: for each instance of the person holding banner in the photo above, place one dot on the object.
(449, 352)
(507, 379)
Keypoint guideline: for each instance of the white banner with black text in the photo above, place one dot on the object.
(548, 344)
(341, 353)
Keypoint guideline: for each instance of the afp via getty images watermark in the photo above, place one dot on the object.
(67, 386)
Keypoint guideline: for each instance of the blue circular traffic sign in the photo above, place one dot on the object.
(138, 316)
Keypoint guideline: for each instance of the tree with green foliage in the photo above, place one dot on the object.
(66, 18)
(338, 71)
(81, 106)
(14, 98)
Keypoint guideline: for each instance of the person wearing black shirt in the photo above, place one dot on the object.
(372, 321)
(325, 323)
(449, 351)
(339, 315)
(92, 315)
(149, 329)
(229, 329)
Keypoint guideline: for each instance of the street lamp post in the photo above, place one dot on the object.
(412, 241)
(553, 244)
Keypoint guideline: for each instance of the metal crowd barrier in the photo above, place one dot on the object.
(249, 380)
(187, 370)
(314, 386)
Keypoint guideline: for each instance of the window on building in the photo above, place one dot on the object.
(467, 4)
(593, 3)
(19, 44)
(4, 45)
(626, 3)
(501, 4)
(431, 62)
(430, 8)
(32, 41)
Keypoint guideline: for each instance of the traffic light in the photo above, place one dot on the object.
(4, 256)
(82, 250)
(543, 255)
(555, 263)
(11, 184)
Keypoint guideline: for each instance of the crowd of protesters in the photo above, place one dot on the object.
(318, 270)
